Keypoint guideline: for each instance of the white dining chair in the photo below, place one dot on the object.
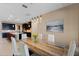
(51, 38)
(19, 50)
(42, 37)
(72, 48)
(23, 50)
(24, 36)
(14, 47)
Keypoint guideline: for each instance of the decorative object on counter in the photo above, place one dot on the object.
(35, 35)
(24, 36)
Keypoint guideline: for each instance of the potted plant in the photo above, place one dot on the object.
(35, 35)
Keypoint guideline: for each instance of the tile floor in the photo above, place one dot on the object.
(5, 48)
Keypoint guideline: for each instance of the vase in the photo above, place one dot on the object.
(35, 40)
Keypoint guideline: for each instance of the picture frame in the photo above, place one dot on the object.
(55, 26)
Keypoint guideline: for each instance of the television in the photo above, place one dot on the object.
(8, 26)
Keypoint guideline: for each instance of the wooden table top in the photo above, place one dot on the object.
(44, 49)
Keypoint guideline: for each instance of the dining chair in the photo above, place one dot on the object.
(51, 38)
(42, 37)
(72, 48)
(19, 50)
(14, 47)
(23, 50)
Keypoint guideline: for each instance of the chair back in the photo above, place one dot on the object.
(14, 47)
(23, 50)
(51, 38)
(72, 48)
(42, 37)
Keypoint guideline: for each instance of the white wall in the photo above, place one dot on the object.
(70, 15)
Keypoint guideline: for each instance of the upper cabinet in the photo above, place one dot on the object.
(26, 27)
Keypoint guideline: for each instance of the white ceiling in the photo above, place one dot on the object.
(14, 12)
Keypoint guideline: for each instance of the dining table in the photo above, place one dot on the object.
(44, 49)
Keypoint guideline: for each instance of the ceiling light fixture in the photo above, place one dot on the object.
(27, 5)
(37, 18)
(24, 6)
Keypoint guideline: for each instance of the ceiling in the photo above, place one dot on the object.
(15, 12)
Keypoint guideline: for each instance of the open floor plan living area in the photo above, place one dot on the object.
(39, 29)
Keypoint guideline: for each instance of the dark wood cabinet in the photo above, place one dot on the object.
(26, 28)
